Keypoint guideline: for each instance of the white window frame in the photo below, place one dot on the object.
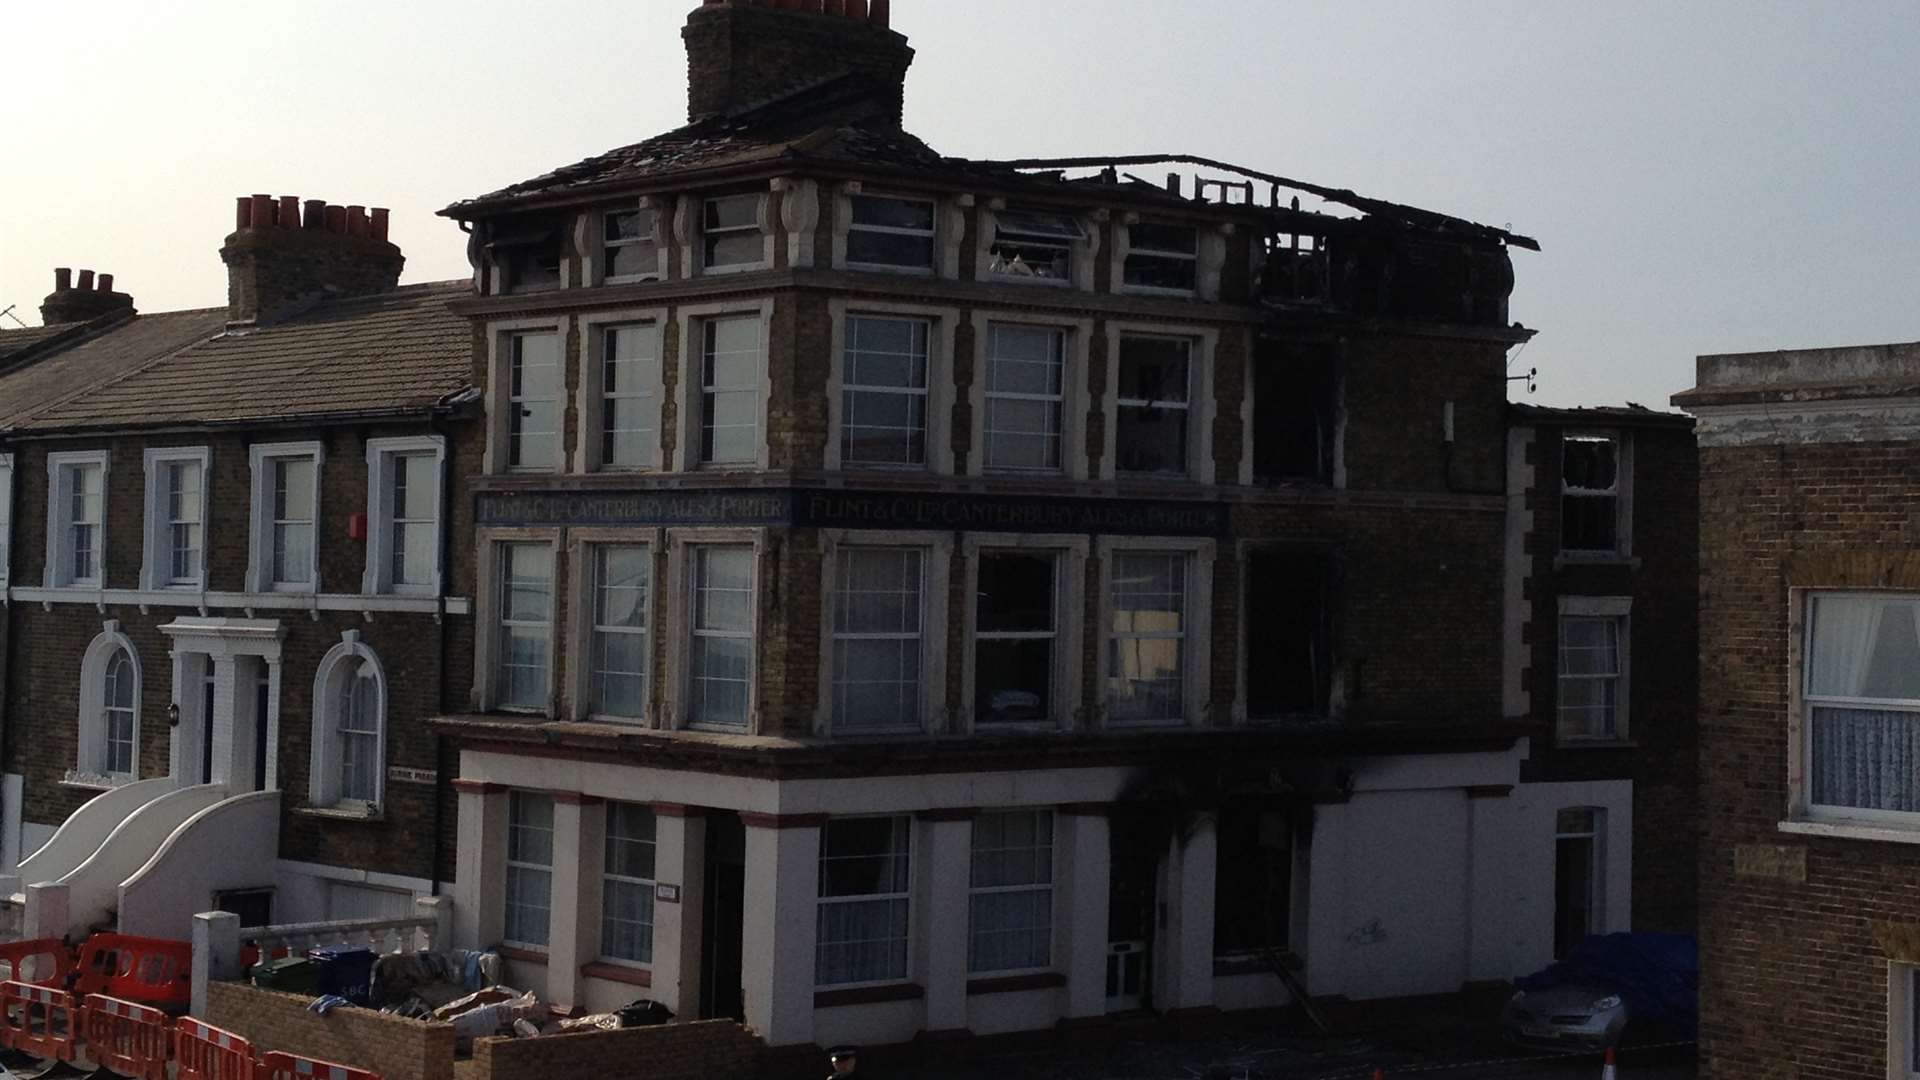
(602, 260)
(1075, 462)
(1070, 600)
(1123, 248)
(940, 390)
(936, 569)
(1622, 496)
(1197, 623)
(1903, 1020)
(1803, 815)
(487, 611)
(1598, 863)
(693, 319)
(646, 884)
(590, 402)
(1081, 252)
(500, 335)
(261, 460)
(381, 525)
(90, 760)
(549, 868)
(1203, 410)
(59, 566)
(677, 691)
(324, 787)
(904, 824)
(844, 237)
(1049, 888)
(763, 215)
(6, 520)
(583, 546)
(1619, 609)
(157, 562)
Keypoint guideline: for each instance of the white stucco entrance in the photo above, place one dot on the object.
(226, 678)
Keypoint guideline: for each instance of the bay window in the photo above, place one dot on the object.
(865, 896)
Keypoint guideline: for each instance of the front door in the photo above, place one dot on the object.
(725, 918)
(262, 686)
(1135, 869)
(206, 726)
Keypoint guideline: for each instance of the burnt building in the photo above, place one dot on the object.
(922, 597)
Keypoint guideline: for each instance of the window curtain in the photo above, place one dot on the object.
(1868, 759)
(1844, 628)
(861, 941)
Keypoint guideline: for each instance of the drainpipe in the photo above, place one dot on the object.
(441, 785)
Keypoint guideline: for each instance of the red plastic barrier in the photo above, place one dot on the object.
(204, 1052)
(130, 1039)
(38, 1020)
(283, 1066)
(150, 971)
(44, 961)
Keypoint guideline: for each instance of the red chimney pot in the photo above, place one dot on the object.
(316, 216)
(289, 216)
(105, 283)
(880, 13)
(86, 281)
(242, 212)
(336, 219)
(262, 215)
(62, 278)
(356, 221)
(379, 225)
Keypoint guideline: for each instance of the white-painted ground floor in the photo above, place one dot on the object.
(873, 909)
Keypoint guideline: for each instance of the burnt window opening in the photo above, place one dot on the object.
(631, 240)
(1297, 269)
(1589, 493)
(1152, 404)
(528, 256)
(1016, 630)
(1289, 600)
(1295, 412)
(1034, 244)
(1253, 878)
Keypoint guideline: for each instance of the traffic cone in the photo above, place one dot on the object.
(1607, 1071)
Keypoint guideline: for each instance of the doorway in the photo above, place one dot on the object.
(206, 724)
(1132, 900)
(724, 918)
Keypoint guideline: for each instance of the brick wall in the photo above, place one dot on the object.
(1794, 970)
(396, 1048)
(705, 1050)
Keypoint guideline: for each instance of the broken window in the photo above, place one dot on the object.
(528, 255)
(891, 232)
(1253, 878)
(1289, 638)
(631, 242)
(1016, 625)
(1034, 244)
(1590, 493)
(1162, 256)
(1295, 406)
(730, 232)
(1154, 392)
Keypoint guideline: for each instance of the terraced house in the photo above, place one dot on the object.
(920, 597)
(232, 592)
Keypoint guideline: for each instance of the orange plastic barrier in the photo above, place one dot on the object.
(150, 971)
(205, 1052)
(38, 1020)
(283, 1066)
(45, 961)
(130, 1039)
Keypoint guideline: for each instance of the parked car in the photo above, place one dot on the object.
(1606, 983)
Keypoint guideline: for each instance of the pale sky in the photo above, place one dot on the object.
(1707, 177)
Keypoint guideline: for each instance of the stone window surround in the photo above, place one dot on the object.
(380, 457)
(1620, 609)
(581, 545)
(1075, 463)
(1210, 258)
(157, 552)
(1202, 408)
(1092, 222)
(1623, 498)
(1071, 551)
(589, 239)
(486, 622)
(690, 215)
(261, 457)
(693, 318)
(6, 517)
(937, 561)
(949, 224)
(500, 333)
(213, 640)
(1197, 620)
(59, 568)
(589, 403)
(88, 768)
(940, 388)
(675, 691)
(323, 784)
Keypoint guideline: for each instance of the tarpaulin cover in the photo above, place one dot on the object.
(1657, 975)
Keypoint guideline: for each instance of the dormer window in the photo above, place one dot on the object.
(1034, 244)
(528, 258)
(1163, 257)
(631, 245)
(891, 233)
(730, 232)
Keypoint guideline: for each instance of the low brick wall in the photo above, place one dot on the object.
(706, 1050)
(396, 1048)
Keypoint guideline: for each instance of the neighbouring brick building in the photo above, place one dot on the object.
(925, 597)
(232, 587)
(1601, 582)
(1810, 685)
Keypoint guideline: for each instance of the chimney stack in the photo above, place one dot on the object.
(744, 52)
(90, 299)
(283, 254)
